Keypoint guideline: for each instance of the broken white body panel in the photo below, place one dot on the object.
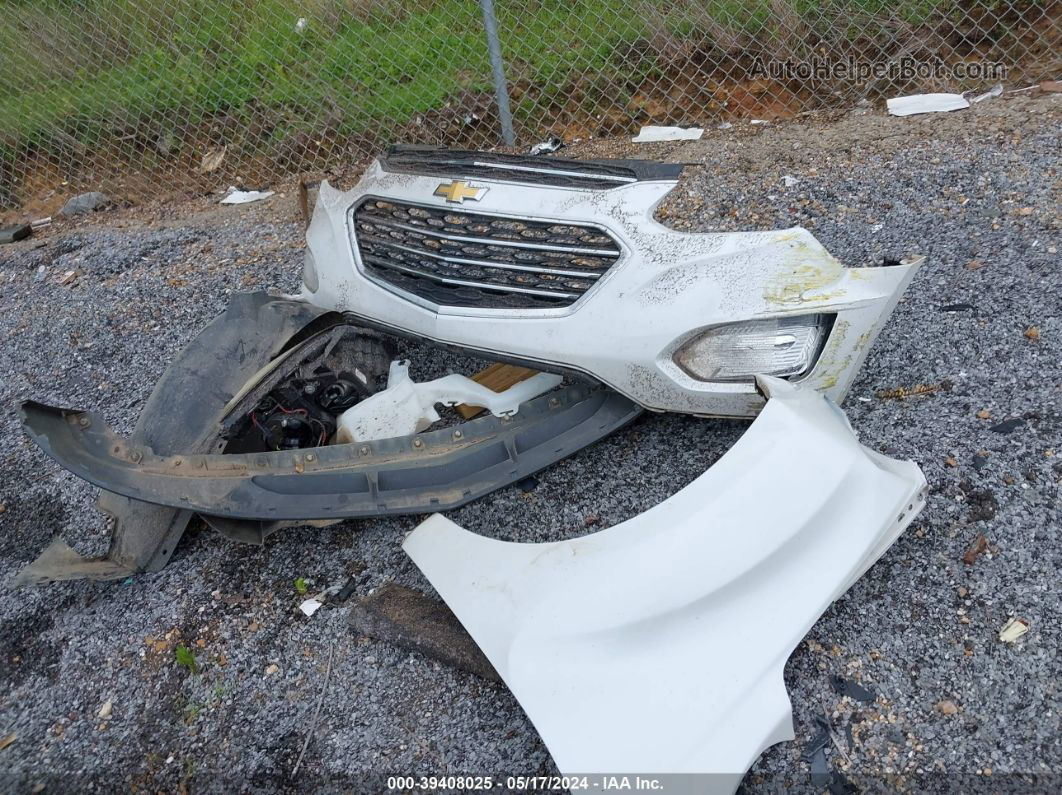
(657, 645)
(235, 196)
(653, 133)
(925, 103)
(665, 289)
(407, 407)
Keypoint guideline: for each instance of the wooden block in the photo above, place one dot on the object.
(498, 377)
(304, 202)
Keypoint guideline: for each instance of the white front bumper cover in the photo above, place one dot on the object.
(666, 289)
(657, 646)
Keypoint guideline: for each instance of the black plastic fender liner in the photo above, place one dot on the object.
(432, 471)
(182, 415)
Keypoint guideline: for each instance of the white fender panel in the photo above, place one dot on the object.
(657, 645)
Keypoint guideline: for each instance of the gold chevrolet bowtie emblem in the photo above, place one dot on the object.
(457, 191)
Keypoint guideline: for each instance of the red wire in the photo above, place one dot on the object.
(293, 411)
(261, 430)
(254, 420)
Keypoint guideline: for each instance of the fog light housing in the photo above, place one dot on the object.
(309, 272)
(784, 347)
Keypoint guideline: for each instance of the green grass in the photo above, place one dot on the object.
(97, 69)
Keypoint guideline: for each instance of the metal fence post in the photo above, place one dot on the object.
(501, 90)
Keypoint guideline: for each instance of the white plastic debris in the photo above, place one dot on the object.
(926, 103)
(759, 121)
(789, 181)
(651, 134)
(1012, 630)
(724, 125)
(548, 146)
(300, 24)
(311, 606)
(407, 407)
(995, 91)
(235, 196)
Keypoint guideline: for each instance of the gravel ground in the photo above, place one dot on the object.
(976, 191)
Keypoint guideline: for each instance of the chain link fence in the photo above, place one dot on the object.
(141, 97)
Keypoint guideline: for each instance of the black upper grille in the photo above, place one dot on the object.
(458, 258)
(534, 170)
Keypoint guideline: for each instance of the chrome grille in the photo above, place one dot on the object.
(457, 258)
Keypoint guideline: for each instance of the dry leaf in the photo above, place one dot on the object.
(1032, 333)
(1013, 629)
(901, 392)
(977, 548)
(6, 741)
(212, 159)
(984, 414)
(947, 707)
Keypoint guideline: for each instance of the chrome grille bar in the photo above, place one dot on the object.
(383, 263)
(489, 241)
(479, 262)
